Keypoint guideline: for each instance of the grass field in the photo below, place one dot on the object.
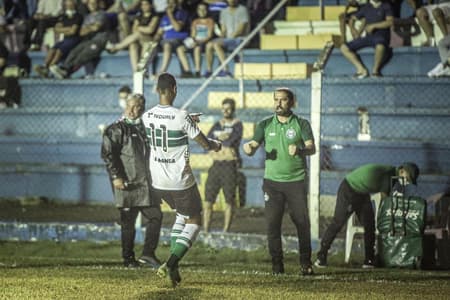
(85, 270)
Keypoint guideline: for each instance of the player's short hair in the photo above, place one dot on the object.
(166, 81)
(290, 94)
(231, 102)
(125, 89)
(137, 97)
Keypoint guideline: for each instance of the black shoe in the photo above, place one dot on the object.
(131, 263)
(186, 74)
(150, 261)
(277, 268)
(321, 261)
(306, 270)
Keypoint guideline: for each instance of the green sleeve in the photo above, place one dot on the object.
(306, 130)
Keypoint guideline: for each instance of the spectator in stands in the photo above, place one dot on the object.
(258, 10)
(160, 7)
(202, 31)
(46, 16)
(287, 140)
(345, 18)
(443, 67)
(439, 13)
(69, 25)
(125, 150)
(354, 196)
(122, 14)
(144, 30)
(234, 26)
(94, 38)
(173, 29)
(377, 20)
(124, 93)
(223, 174)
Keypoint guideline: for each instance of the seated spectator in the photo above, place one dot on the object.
(122, 14)
(440, 13)
(377, 19)
(258, 10)
(345, 18)
(234, 25)
(69, 25)
(46, 16)
(172, 31)
(202, 31)
(94, 38)
(144, 29)
(443, 67)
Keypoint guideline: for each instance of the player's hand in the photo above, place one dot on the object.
(195, 117)
(292, 149)
(119, 184)
(248, 149)
(215, 145)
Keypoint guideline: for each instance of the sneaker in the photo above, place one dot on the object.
(278, 269)
(438, 68)
(360, 75)
(443, 73)
(321, 261)
(35, 47)
(368, 264)
(376, 75)
(58, 72)
(187, 74)
(306, 270)
(150, 261)
(130, 263)
(171, 273)
(41, 70)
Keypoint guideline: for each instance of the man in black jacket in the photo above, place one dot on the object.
(125, 151)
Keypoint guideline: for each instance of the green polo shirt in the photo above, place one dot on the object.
(371, 178)
(280, 166)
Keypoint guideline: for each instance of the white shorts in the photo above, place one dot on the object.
(445, 7)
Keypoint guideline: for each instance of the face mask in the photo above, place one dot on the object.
(122, 103)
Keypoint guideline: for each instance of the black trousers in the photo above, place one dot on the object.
(151, 219)
(276, 196)
(347, 202)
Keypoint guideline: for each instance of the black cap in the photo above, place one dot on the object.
(412, 169)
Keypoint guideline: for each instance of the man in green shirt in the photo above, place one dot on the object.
(354, 196)
(287, 139)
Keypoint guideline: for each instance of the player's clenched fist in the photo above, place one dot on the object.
(292, 149)
(215, 145)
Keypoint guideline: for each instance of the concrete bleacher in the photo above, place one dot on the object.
(51, 145)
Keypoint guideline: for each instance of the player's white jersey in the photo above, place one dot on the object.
(168, 129)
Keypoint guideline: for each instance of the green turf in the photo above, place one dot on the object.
(84, 270)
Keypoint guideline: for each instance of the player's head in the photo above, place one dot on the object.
(228, 107)
(284, 100)
(167, 87)
(135, 106)
(410, 171)
(124, 92)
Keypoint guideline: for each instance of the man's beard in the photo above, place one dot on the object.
(283, 113)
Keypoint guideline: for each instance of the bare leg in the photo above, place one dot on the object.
(220, 53)
(197, 58)
(342, 28)
(49, 57)
(209, 51)
(228, 216)
(56, 58)
(124, 25)
(353, 58)
(167, 52)
(207, 213)
(425, 23)
(379, 54)
(127, 41)
(439, 16)
(181, 52)
(133, 51)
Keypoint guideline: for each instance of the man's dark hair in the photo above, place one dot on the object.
(166, 81)
(231, 102)
(125, 89)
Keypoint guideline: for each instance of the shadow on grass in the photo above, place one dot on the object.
(177, 293)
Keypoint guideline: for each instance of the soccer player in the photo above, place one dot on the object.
(168, 129)
(287, 139)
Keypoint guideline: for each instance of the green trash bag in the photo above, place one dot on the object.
(401, 223)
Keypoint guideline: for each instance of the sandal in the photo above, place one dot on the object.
(360, 75)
